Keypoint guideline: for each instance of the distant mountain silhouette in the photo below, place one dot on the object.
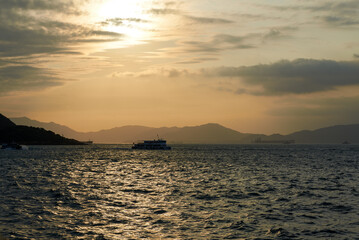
(333, 134)
(57, 128)
(210, 133)
(10, 132)
(207, 134)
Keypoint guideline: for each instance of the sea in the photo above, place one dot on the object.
(190, 192)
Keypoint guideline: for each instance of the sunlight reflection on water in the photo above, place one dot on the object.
(191, 192)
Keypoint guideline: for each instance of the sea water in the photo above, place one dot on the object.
(190, 192)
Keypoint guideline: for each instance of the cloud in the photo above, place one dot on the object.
(207, 20)
(104, 33)
(218, 43)
(31, 27)
(31, 30)
(240, 91)
(279, 32)
(155, 72)
(345, 7)
(194, 19)
(122, 21)
(224, 42)
(297, 77)
(332, 13)
(23, 78)
(197, 60)
(68, 6)
(300, 76)
(163, 11)
(340, 21)
(47, 37)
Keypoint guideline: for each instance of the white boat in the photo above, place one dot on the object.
(159, 144)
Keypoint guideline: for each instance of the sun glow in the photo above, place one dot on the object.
(125, 17)
(121, 8)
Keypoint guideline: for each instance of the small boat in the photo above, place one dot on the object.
(11, 146)
(159, 144)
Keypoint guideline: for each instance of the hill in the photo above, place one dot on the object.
(333, 134)
(5, 122)
(210, 133)
(57, 128)
(33, 136)
(206, 134)
(330, 135)
(10, 132)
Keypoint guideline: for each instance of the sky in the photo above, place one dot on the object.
(251, 65)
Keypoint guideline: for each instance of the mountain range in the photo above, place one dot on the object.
(210, 133)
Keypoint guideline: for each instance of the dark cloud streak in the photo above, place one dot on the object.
(340, 21)
(24, 78)
(39, 33)
(66, 6)
(122, 21)
(207, 20)
(29, 30)
(195, 19)
(164, 11)
(279, 32)
(300, 76)
(218, 43)
(332, 13)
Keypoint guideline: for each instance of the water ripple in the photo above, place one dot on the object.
(191, 192)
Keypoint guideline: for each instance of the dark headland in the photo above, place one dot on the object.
(10, 132)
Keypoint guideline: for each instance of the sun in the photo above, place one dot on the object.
(127, 17)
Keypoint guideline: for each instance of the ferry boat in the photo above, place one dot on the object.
(159, 144)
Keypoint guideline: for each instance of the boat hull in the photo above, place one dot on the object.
(151, 148)
(152, 145)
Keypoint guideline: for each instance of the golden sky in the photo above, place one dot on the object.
(251, 65)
